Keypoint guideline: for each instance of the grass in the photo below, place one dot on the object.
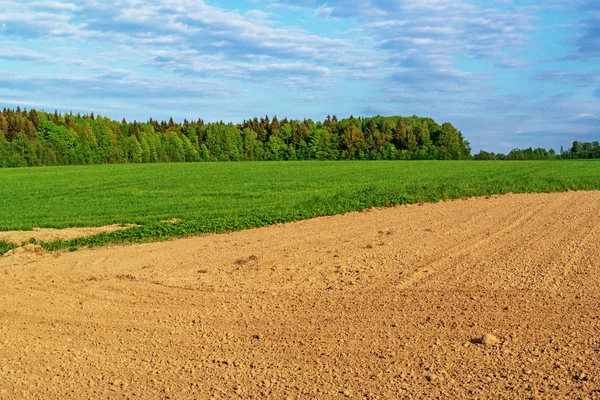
(221, 197)
(5, 246)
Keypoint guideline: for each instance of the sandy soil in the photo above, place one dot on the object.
(380, 304)
(49, 234)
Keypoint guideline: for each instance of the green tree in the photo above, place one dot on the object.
(22, 146)
(188, 149)
(275, 148)
(424, 138)
(302, 152)
(400, 138)
(175, 151)
(411, 140)
(145, 149)
(449, 137)
(386, 136)
(353, 140)
(136, 150)
(106, 141)
(249, 138)
(204, 153)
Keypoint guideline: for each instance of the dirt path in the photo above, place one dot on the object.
(50, 234)
(380, 304)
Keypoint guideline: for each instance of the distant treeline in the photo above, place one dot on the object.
(30, 138)
(579, 150)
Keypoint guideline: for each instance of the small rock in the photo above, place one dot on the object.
(582, 377)
(490, 340)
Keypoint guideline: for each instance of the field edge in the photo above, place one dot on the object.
(163, 231)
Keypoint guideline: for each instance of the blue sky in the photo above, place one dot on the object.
(506, 73)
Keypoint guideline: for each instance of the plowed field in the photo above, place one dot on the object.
(388, 303)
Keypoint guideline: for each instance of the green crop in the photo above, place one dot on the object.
(4, 247)
(221, 197)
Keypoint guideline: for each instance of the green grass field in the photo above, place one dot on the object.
(218, 197)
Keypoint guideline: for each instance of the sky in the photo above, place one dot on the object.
(506, 73)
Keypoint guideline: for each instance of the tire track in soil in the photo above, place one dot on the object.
(483, 240)
(531, 233)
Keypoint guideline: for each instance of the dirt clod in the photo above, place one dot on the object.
(28, 248)
(490, 340)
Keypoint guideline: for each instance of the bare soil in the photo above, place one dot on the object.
(50, 234)
(390, 303)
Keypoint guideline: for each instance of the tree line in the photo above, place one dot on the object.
(579, 151)
(33, 138)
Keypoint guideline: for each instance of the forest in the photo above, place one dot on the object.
(33, 138)
(36, 138)
(579, 151)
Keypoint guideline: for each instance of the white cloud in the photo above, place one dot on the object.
(323, 11)
(586, 116)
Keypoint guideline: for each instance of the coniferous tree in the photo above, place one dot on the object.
(411, 139)
(275, 127)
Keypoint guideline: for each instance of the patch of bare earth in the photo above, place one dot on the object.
(172, 221)
(482, 298)
(50, 234)
(26, 249)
